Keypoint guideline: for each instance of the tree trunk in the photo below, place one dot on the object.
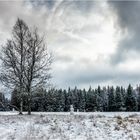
(13, 106)
(29, 103)
(21, 107)
(29, 108)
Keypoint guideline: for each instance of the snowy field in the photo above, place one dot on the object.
(63, 126)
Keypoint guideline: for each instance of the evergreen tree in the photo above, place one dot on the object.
(105, 99)
(61, 100)
(89, 100)
(130, 103)
(118, 99)
(99, 99)
(84, 99)
(138, 97)
(15, 98)
(111, 100)
(2, 102)
(66, 101)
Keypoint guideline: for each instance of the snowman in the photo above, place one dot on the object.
(71, 110)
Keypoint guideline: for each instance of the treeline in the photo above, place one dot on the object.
(99, 99)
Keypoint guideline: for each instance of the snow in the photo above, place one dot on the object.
(63, 126)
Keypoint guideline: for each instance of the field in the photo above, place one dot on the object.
(63, 126)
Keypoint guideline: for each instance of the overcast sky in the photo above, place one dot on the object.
(93, 43)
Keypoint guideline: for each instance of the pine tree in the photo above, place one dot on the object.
(130, 103)
(15, 98)
(66, 101)
(138, 98)
(2, 102)
(111, 100)
(84, 99)
(89, 100)
(75, 99)
(61, 100)
(118, 99)
(99, 99)
(105, 99)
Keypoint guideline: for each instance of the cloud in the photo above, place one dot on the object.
(128, 22)
(38, 4)
(87, 74)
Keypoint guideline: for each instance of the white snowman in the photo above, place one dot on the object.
(71, 110)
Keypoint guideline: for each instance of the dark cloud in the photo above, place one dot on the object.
(39, 3)
(84, 6)
(81, 5)
(128, 21)
(76, 75)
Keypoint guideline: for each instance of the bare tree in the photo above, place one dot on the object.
(37, 65)
(26, 62)
(13, 58)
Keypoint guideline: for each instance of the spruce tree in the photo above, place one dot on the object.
(84, 99)
(105, 99)
(15, 98)
(66, 101)
(111, 99)
(138, 98)
(118, 99)
(130, 103)
(99, 99)
(89, 100)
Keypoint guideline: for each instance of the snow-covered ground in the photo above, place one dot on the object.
(63, 126)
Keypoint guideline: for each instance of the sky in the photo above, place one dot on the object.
(92, 42)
